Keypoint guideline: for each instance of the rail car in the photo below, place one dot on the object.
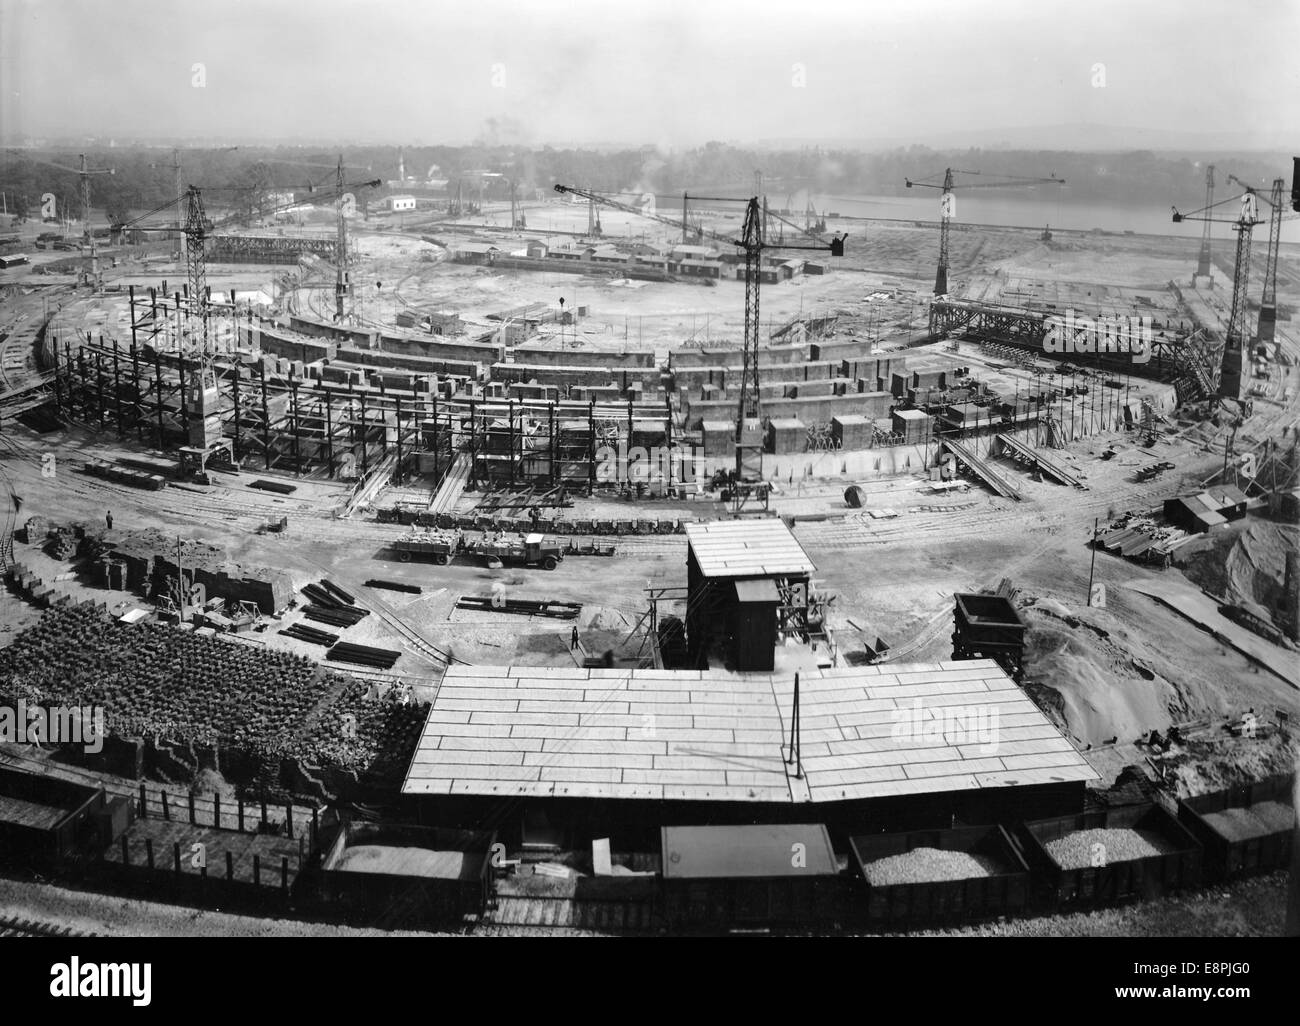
(711, 879)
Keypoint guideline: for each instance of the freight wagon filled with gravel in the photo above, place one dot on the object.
(930, 876)
(1121, 854)
(1246, 829)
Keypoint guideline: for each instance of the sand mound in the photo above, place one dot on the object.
(1102, 695)
(1243, 566)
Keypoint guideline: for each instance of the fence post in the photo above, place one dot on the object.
(191, 797)
(126, 852)
(288, 820)
(257, 870)
(241, 815)
(216, 810)
(176, 855)
(148, 851)
(284, 876)
(144, 803)
(315, 827)
(167, 812)
(263, 812)
(230, 865)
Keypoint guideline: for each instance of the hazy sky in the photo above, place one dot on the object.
(667, 72)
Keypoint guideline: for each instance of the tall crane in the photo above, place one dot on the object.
(1268, 301)
(197, 228)
(749, 453)
(1203, 261)
(343, 201)
(90, 268)
(948, 207)
(1231, 377)
(179, 184)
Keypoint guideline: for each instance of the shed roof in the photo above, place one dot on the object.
(746, 548)
(866, 732)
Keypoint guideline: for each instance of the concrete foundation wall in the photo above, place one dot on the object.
(814, 410)
(647, 378)
(573, 358)
(420, 364)
(768, 356)
(441, 349)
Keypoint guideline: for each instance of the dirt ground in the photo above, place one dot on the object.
(1112, 673)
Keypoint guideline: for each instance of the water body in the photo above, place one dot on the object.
(1029, 208)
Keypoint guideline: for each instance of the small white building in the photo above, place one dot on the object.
(398, 204)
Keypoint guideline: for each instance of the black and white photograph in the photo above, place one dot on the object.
(690, 470)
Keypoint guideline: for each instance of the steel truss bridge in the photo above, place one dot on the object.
(1190, 361)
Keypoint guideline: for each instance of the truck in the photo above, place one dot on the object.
(518, 549)
(438, 546)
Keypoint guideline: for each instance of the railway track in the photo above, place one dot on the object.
(14, 926)
(543, 915)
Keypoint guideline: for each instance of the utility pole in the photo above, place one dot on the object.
(180, 580)
(1092, 569)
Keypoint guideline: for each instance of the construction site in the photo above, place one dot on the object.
(639, 543)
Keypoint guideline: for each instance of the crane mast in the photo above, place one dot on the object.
(947, 209)
(1203, 261)
(1231, 377)
(342, 278)
(749, 454)
(749, 442)
(196, 226)
(1268, 302)
(946, 206)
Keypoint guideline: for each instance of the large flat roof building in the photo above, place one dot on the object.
(710, 739)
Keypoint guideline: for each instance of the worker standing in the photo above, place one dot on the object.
(18, 503)
(573, 639)
(108, 519)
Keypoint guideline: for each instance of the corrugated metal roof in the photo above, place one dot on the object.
(867, 732)
(746, 548)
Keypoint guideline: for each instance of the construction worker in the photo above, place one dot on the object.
(18, 503)
(108, 519)
(573, 639)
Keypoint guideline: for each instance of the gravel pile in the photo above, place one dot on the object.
(1119, 844)
(930, 865)
(1255, 821)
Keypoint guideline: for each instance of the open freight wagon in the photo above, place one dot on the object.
(1247, 829)
(410, 876)
(998, 883)
(759, 876)
(1121, 854)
